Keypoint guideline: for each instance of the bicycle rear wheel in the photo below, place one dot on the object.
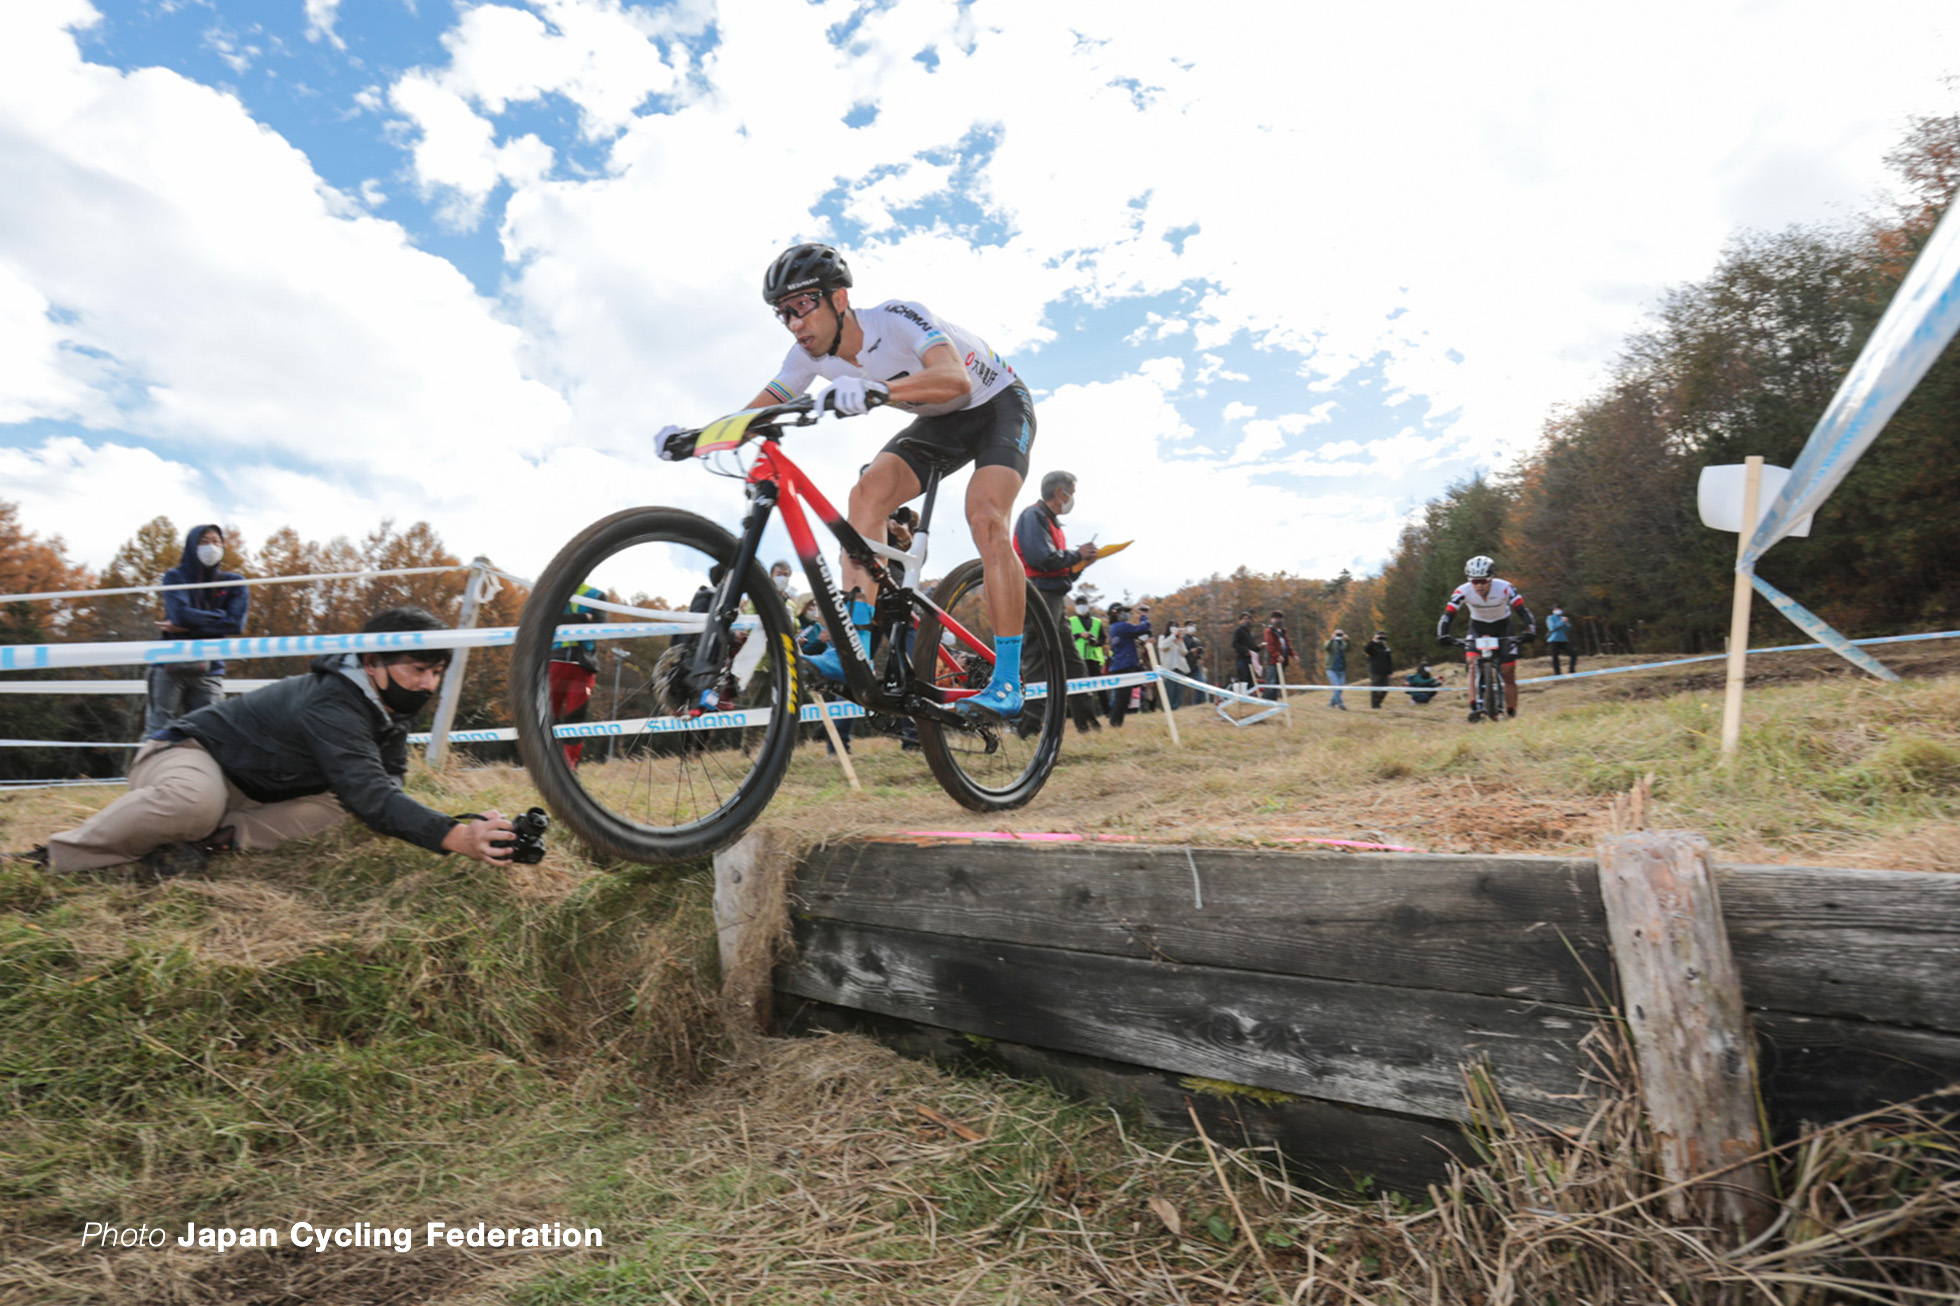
(995, 766)
(654, 779)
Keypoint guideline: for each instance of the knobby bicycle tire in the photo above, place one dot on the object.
(626, 814)
(956, 754)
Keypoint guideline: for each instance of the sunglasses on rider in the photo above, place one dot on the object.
(798, 306)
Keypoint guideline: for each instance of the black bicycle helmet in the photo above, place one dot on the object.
(805, 267)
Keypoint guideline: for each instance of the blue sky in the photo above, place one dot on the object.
(1275, 281)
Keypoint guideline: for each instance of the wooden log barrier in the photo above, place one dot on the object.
(751, 924)
(1682, 997)
(1323, 1002)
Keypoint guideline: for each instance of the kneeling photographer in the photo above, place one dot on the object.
(286, 762)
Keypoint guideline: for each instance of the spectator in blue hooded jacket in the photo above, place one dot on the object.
(180, 688)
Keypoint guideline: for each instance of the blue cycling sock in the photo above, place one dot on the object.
(1007, 660)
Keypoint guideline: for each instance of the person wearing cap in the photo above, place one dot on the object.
(1123, 656)
(1336, 650)
(1423, 679)
(1381, 663)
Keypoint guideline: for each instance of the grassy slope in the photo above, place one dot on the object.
(354, 1030)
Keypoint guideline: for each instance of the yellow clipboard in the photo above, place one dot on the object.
(1102, 551)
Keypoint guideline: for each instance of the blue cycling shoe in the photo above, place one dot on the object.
(1000, 700)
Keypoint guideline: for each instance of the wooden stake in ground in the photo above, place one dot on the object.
(837, 748)
(1163, 693)
(751, 922)
(1752, 493)
(1691, 1034)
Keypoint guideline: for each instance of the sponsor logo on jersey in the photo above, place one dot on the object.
(906, 313)
(985, 373)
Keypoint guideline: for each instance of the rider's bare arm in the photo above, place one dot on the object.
(945, 378)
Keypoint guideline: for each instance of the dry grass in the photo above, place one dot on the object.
(349, 1029)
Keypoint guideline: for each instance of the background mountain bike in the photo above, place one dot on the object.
(719, 686)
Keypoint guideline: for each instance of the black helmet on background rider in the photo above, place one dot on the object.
(1479, 568)
(805, 267)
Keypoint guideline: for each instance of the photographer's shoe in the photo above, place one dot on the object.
(222, 840)
(1000, 700)
(174, 859)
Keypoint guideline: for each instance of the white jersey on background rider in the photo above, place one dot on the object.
(1497, 605)
(897, 335)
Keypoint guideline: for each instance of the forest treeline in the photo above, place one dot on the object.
(1601, 514)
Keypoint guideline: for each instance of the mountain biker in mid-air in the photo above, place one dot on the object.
(969, 406)
(1491, 602)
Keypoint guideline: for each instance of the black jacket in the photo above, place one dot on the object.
(325, 731)
(1380, 660)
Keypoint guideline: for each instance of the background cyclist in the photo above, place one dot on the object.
(1490, 601)
(969, 406)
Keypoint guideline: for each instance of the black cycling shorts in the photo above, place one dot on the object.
(1507, 652)
(998, 433)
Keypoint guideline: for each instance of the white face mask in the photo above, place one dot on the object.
(209, 554)
(782, 582)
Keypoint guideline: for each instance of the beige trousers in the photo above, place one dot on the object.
(177, 793)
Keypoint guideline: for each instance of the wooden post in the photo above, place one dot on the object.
(837, 749)
(1691, 1033)
(477, 586)
(751, 921)
(1752, 489)
(1163, 692)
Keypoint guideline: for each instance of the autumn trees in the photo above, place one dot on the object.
(1602, 515)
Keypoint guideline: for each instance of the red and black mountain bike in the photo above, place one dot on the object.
(714, 689)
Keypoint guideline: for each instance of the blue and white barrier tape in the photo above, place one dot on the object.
(747, 718)
(1917, 326)
(38, 657)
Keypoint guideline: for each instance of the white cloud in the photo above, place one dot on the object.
(1474, 208)
(320, 18)
(96, 498)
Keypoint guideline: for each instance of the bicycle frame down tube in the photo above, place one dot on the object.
(774, 465)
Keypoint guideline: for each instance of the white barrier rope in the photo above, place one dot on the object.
(227, 584)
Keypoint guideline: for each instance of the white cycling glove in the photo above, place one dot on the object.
(672, 449)
(852, 395)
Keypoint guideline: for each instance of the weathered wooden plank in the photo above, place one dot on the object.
(1529, 927)
(1682, 997)
(1869, 945)
(1816, 1070)
(1368, 1045)
(751, 919)
(1335, 1145)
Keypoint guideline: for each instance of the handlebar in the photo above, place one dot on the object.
(804, 410)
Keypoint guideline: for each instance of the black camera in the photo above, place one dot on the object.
(526, 843)
(527, 849)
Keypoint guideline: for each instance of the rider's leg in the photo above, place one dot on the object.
(886, 483)
(989, 500)
(1509, 670)
(989, 515)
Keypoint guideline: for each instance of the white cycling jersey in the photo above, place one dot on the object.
(897, 335)
(1502, 600)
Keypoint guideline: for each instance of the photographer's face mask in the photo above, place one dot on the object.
(406, 699)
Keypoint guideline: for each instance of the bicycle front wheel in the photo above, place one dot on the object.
(994, 766)
(657, 776)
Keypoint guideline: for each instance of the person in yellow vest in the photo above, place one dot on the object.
(1088, 640)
